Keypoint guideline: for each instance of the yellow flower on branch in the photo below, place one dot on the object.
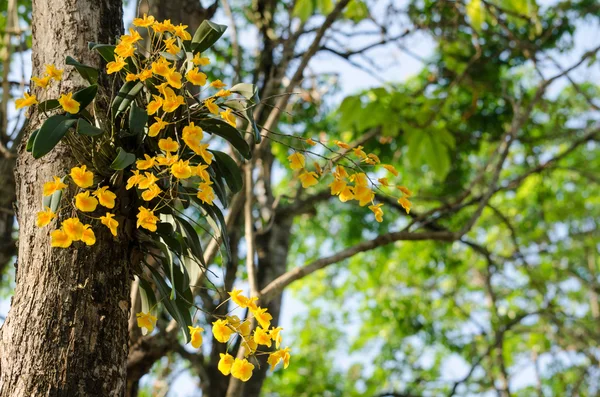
(405, 190)
(195, 77)
(181, 169)
(154, 106)
(242, 369)
(41, 82)
(144, 74)
(212, 106)
(181, 32)
(125, 49)
(144, 22)
(206, 194)
(68, 103)
(146, 219)
(162, 67)
(82, 177)
(134, 179)
(275, 335)
(88, 236)
(146, 321)
(145, 163)
(201, 150)
(297, 161)
(238, 298)
(111, 223)
(196, 336)
(377, 211)
(279, 355)
(171, 101)
(53, 72)
(342, 145)
(131, 77)
(263, 318)
(225, 363)
(85, 203)
(152, 192)
(45, 217)
(131, 38)
(73, 227)
(116, 65)
(221, 331)
(171, 46)
(223, 93)
(308, 179)
(202, 173)
(261, 337)
(147, 180)
(405, 203)
(174, 78)
(311, 142)
(157, 127)
(228, 117)
(54, 186)
(60, 239)
(168, 145)
(391, 169)
(166, 161)
(105, 197)
(26, 101)
(192, 134)
(199, 60)
(218, 84)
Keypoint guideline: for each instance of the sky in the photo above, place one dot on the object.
(397, 66)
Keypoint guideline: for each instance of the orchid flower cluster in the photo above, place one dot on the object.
(357, 185)
(251, 339)
(153, 150)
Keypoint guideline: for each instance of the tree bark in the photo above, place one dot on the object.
(66, 332)
(8, 247)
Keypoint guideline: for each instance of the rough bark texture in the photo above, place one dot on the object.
(66, 332)
(7, 219)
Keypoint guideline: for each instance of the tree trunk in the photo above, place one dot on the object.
(7, 218)
(66, 332)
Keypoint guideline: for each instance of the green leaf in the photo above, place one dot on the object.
(31, 139)
(53, 201)
(476, 13)
(147, 296)
(106, 51)
(192, 238)
(248, 91)
(50, 133)
(123, 159)
(126, 94)
(85, 96)
(248, 114)
(226, 131)
(303, 9)
(325, 6)
(87, 72)
(230, 170)
(206, 35)
(48, 105)
(85, 128)
(178, 308)
(138, 117)
(356, 10)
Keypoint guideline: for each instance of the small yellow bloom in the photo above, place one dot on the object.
(116, 65)
(377, 211)
(308, 179)
(337, 186)
(51, 187)
(340, 172)
(192, 135)
(218, 84)
(146, 163)
(211, 106)
(206, 193)
(238, 299)
(311, 142)
(134, 179)
(73, 227)
(181, 32)
(144, 74)
(181, 169)
(363, 194)
(152, 192)
(405, 190)
(196, 335)
(372, 158)
(275, 335)
(221, 331)
(391, 169)
(202, 173)
(166, 161)
(249, 345)
(68, 103)
(155, 105)
(297, 161)
(60, 239)
(168, 145)
(199, 60)
(228, 117)
(41, 82)
(171, 101)
(85, 203)
(131, 77)
(144, 22)
(277, 356)
(261, 337)
(88, 236)
(146, 321)
(26, 101)
(201, 150)
(383, 181)
(147, 180)
(346, 194)
(147, 219)
(174, 79)
(105, 197)
(342, 144)
(45, 217)
(223, 93)
(225, 363)
(405, 203)
(263, 318)
(111, 223)
(125, 49)
(162, 67)
(131, 38)
(242, 369)
(195, 77)
(171, 46)
(358, 152)
(82, 177)
(53, 72)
